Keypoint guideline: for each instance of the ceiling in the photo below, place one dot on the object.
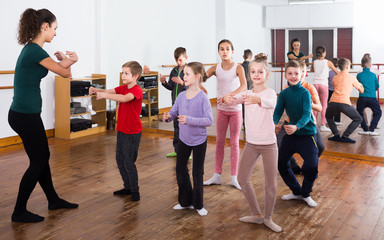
(282, 2)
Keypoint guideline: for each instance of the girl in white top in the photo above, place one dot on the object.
(230, 81)
(321, 68)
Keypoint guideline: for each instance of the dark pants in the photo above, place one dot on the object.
(335, 108)
(187, 195)
(320, 144)
(337, 117)
(127, 148)
(307, 148)
(373, 104)
(175, 133)
(31, 130)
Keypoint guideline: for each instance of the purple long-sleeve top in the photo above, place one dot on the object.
(199, 116)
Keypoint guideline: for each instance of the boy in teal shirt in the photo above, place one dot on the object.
(368, 99)
(300, 137)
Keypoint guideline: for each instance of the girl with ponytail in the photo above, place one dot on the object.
(36, 27)
(193, 110)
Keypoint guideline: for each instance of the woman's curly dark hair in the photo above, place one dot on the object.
(30, 23)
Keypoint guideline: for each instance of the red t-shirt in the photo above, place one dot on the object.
(128, 119)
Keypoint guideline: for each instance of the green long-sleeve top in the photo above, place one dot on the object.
(297, 101)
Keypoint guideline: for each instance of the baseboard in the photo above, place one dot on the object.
(8, 141)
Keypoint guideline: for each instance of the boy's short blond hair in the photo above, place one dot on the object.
(343, 63)
(292, 63)
(134, 67)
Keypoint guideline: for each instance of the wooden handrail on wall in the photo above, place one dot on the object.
(7, 72)
(205, 64)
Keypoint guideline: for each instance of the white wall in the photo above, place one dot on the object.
(310, 16)
(149, 31)
(76, 31)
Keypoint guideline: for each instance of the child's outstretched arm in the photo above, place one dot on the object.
(264, 102)
(93, 90)
(211, 71)
(358, 85)
(330, 64)
(115, 97)
(279, 109)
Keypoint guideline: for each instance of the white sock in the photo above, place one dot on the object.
(292, 196)
(234, 182)
(202, 211)
(310, 201)
(252, 219)
(179, 207)
(216, 179)
(273, 226)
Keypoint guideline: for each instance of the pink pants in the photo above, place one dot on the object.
(235, 120)
(323, 92)
(248, 160)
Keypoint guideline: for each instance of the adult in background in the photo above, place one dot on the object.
(36, 27)
(295, 53)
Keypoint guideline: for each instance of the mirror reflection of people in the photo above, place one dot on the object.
(36, 27)
(295, 53)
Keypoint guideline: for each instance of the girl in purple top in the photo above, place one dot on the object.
(193, 109)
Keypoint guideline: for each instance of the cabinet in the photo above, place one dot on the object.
(149, 83)
(63, 114)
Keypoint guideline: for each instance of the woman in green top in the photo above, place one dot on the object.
(295, 53)
(36, 27)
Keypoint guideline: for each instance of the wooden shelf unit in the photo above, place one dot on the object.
(63, 110)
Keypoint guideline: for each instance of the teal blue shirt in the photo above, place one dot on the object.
(28, 75)
(297, 102)
(369, 80)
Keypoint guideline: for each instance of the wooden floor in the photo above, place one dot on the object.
(371, 146)
(350, 194)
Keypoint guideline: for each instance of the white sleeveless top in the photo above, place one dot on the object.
(321, 72)
(227, 82)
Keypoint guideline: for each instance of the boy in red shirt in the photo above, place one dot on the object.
(129, 126)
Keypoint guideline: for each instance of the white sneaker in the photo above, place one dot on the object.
(364, 133)
(338, 123)
(373, 133)
(323, 128)
(216, 179)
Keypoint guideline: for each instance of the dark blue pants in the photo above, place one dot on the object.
(127, 148)
(307, 148)
(373, 104)
(187, 195)
(319, 141)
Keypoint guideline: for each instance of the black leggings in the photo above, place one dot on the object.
(187, 195)
(31, 130)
